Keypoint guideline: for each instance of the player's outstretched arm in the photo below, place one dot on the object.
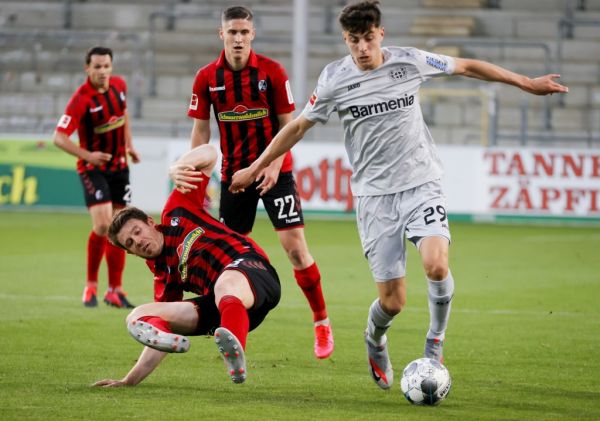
(483, 70)
(287, 137)
(192, 166)
(148, 361)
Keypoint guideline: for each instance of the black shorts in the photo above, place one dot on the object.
(282, 203)
(103, 186)
(264, 282)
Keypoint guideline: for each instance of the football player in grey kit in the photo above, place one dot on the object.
(396, 168)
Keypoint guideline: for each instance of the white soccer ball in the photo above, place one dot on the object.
(425, 382)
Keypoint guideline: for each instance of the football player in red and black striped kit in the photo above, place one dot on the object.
(251, 99)
(98, 111)
(191, 251)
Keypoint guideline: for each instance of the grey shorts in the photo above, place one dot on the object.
(385, 221)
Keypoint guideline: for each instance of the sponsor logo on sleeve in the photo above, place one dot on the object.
(194, 102)
(288, 89)
(64, 121)
(437, 63)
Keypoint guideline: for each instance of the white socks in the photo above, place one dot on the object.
(440, 302)
(378, 323)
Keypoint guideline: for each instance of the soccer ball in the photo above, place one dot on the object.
(425, 382)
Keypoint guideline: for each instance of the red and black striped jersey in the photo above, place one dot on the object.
(197, 247)
(246, 104)
(99, 119)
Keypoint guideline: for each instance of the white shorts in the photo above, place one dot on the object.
(384, 221)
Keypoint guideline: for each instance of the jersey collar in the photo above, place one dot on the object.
(252, 60)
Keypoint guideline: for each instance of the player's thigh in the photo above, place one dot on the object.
(181, 315)
(428, 213)
(238, 211)
(96, 188)
(120, 188)
(381, 230)
(283, 205)
(234, 283)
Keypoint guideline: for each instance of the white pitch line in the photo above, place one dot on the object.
(423, 309)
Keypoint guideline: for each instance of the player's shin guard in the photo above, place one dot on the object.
(115, 259)
(234, 317)
(309, 280)
(95, 251)
(378, 322)
(440, 302)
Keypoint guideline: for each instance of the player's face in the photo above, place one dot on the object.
(99, 70)
(237, 36)
(366, 48)
(141, 238)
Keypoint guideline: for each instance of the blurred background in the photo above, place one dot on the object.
(491, 136)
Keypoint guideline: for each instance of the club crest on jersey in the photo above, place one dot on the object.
(122, 95)
(184, 249)
(398, 74)
(174, 221)
(262, 85)
(243, 113)
(313, 99)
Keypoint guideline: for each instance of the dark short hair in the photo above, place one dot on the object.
(236, 12)
(358, 18)
(97, 51)
(120, 219)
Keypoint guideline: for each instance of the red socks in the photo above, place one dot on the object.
(95, 251)
(115, 260)
(309, 279)
(234, 317)
(157, 322)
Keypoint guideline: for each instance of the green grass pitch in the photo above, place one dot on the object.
(522, 343)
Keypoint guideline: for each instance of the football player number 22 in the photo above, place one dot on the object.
(283, 203)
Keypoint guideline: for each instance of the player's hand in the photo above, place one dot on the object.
(110, 383)
(184, 176)
(134, 155)
(268, 178)
(241, 179)
(98, 158)
(545, 85)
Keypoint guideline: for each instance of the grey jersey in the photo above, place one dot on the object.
(388, 144)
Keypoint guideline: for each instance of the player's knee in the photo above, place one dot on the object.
(101, 229)
(436, 271)
(393, 305)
